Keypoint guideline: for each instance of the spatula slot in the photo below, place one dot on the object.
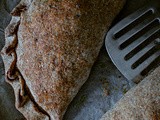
(147, 62)
(144, 57)
(142, 45)
(140, 18)
(153, 24)
(151, 67)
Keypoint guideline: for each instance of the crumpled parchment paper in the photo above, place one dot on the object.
(105, 86)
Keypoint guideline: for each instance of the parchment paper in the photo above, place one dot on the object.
(102, 90)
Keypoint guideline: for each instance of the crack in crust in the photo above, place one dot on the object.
(21, 7)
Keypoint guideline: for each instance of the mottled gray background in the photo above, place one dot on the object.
(102, 90)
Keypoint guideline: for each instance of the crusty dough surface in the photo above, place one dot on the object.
(50, 48)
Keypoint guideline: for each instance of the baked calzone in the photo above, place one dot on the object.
(49, 50)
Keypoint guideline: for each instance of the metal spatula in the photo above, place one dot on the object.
(134, 43)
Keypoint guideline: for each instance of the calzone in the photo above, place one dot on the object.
(50, 48)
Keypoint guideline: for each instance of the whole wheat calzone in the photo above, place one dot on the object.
(50, 48)
(140, 103)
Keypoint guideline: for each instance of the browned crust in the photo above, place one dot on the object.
(67, 48)
(13, 74)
